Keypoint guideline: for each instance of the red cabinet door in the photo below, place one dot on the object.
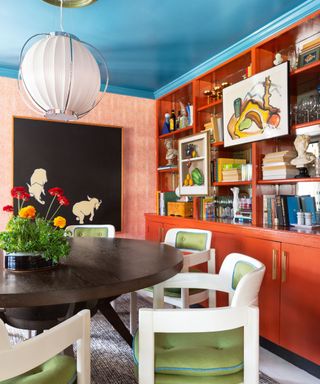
(154, 231)
(300, 307)
(268, 252)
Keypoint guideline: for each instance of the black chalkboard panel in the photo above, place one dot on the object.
(84, 160)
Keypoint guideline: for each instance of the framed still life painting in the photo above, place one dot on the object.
(257, 108)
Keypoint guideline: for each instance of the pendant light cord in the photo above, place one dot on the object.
(61, 18)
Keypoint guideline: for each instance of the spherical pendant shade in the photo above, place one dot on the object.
(60, 77)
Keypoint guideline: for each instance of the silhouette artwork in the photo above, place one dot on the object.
(86, 208)
(37, 182)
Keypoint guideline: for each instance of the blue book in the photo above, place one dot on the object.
(308, 204)
(294, 206)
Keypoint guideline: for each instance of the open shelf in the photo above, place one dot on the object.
(209, 105)
(172, 169)
(289, 181)
(304, 125)
(217, 144)
(223, 183)
(177, 132)
(311, 68)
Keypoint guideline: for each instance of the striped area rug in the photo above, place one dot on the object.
(111, 357)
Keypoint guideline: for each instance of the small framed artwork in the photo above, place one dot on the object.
(309, 57)
(257, 108)
(194, 169)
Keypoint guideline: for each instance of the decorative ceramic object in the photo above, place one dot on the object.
(277, 59)
(23, 261)
(166, 124)
(235, 202)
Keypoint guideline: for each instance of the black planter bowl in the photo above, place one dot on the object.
(25, 262)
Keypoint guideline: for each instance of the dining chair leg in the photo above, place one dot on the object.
(133, 313)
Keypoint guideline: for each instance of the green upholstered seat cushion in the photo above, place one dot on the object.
(235, 378)
(241, 268)
(176, 292)
(191, 240)
(60, 369)
(197, 354)
(91, 232)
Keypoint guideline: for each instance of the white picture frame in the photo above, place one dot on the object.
(189, 161)
(257, 107)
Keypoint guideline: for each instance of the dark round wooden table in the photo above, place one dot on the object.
(95, 269)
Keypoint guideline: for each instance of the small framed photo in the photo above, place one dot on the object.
(194, 169)
(309, 57)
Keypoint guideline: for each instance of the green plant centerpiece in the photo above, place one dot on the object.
(32, 242)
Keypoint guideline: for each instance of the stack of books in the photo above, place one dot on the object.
(276, 165)
(231, 174)
(222, 163)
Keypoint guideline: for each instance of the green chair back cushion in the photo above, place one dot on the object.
(191, 240)
(60, 369)
(241, 268)
(91, 232)
(197, 354)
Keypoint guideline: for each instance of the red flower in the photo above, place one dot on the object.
(25, 196)
(18, 192)
(63, 200)
(56, 191)
(8, 208)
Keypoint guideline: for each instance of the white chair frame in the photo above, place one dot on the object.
(190, 259)
(20, 358)
(242, 312)
(111, 229)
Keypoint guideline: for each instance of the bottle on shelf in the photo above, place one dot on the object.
(177, 126)
(172, 121)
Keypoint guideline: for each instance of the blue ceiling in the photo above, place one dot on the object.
(146, 43)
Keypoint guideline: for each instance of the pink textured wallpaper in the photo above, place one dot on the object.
(135, 115)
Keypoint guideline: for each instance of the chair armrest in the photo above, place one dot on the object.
(198, 319)
(189, 280)
(37, 350)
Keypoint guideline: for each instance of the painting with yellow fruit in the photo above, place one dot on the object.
(257, 107)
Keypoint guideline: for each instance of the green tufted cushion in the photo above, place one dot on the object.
(240, 269)
(91, 232)
(58, 370)
(191, 240)
(235, 378)
(197, 354)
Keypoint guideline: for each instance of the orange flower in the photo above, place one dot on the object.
(59, 221)
(28, 212)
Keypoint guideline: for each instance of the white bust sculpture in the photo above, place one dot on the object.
(171, 153)
(301, 144)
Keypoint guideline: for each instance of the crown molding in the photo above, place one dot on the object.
(282, 22)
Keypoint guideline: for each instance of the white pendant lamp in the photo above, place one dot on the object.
(59, 77)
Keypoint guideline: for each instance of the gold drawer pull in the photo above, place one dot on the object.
(284, 267)
(274, 264)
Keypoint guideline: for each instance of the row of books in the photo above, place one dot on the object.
(276, 165)
(282, 209)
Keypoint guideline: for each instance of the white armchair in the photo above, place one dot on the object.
(222, 344)
(38, 360)
(196, 246)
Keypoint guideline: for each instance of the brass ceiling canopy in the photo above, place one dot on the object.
(70, 3)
